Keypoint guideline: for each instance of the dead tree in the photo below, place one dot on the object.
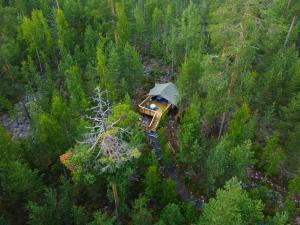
(106, 138)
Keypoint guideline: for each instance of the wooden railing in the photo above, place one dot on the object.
(156, 114)
(154, 119)
(145, 110)
(143, 102)
(157, 117)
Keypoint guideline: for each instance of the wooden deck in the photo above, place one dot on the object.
(155, 114)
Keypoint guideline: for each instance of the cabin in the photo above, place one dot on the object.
(158, 102)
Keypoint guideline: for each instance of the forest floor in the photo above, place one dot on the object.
(16, 122)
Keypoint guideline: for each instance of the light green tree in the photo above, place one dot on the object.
(78, 100)
(232, 206)
(122, 27)
(152, 182)
(189, 75)
(190, 135)
(171, 215)
(272, 156)
(225, 161)
(234, 32)
(140, 213)
(36, 33)
(64, 33)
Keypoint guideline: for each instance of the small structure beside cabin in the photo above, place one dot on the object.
(160, 99)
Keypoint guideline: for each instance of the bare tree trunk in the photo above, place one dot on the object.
(39, 59)
(232, 81)
(222, 124)
(117, 202)
(26, 110)
(113, 11)
(57, 4)
(290, 31)
(172, 63)
(289, 3)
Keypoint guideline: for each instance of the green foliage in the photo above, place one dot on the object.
(293, 192)
(291, 123)
(122, 24)
(132, 70)
(190, 30)
(224, 162)
(240, 128)
(190, 135)
(278, 219)
(152, 183)
(36, 33)
(166, 154)
(188, 77)
(273, 156)
(269, 197)
(125, 116)
(124, 70)
(240, 209)
(90, 42)
(64, 33)
(78, 101)
(101, 219)
(56, 209)
(168, 192)
(57, 122)
(9, 59)
(19, 179)
(9, 150)
(171, 215)
(140, 213)
(54, 132)
(82, 162)
(163, 140)
(139, 27)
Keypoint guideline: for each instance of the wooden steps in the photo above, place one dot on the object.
(155, 121)
(156, 114)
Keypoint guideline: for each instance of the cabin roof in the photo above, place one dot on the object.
(167, 91)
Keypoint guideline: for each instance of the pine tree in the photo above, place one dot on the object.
(232, 71)
(190, 136)
(122, 27)
(54, 132)
(56, 208)
(225, 161)
(152, 182)
(139, 29)
(78, 100)
(187, 81)
(64, 34)
(140, 213)
(272, 156)
(171, 215)
(36, 33)
(240, 209)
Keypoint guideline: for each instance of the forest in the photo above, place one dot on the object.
(74, 149)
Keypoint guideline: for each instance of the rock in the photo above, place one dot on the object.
(17, 124)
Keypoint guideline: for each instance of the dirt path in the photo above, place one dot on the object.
(172, 173)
